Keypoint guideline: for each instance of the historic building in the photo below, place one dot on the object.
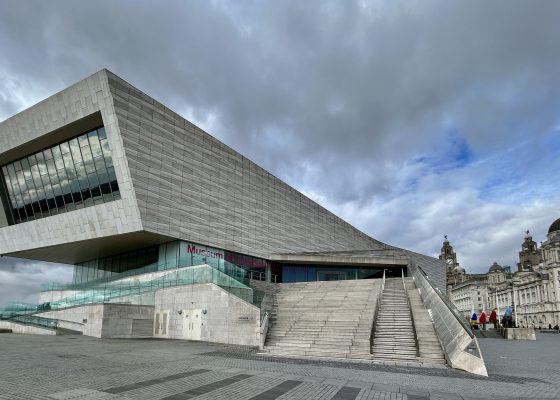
(530, 256)
(532, 291)
(454, 272)
(473, 292)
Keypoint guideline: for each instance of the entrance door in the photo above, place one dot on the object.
(331, 276)
(192, 324)
(161, 323)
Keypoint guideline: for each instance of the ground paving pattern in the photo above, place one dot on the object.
(78, 367)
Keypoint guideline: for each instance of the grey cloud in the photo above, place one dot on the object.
(334, 97)
(20, 280)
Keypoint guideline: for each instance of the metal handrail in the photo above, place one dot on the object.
(114, 292)
(376, 312)
(450, 305)
(411, 316)
(261, 276)
(264, 329)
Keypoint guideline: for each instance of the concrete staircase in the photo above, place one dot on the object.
(394, 337)
(403, 329)
(323, 319)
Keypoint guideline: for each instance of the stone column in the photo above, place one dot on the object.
(515, 293)
(555, 283)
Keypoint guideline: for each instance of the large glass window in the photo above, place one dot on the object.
(73, 174)
(108, 266)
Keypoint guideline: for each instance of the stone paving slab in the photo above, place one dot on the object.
(77, 367)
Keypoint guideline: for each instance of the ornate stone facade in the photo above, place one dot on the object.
(533, 291)
(454, 272)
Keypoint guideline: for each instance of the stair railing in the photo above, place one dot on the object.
(264, 329)
(376, 312)
(411, 316)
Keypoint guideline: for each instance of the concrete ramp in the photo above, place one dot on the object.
(456, 338)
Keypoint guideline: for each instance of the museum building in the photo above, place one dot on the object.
(173, 234)
(105, 178)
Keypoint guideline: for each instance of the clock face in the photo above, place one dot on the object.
(449, 261)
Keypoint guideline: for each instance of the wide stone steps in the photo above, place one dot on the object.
(323, 319)
(335, 319)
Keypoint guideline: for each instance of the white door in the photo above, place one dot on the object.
(161, 323)
(192, 324)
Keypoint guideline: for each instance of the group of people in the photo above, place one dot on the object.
(481, 321)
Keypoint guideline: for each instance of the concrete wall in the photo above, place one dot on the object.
(228, 319)
(87, 319)
(518, 333)
(119, 319)
(103, 320)
(20, 328)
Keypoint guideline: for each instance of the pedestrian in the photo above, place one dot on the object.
(482, 320)
(474, 320)
(494, 318)
(508, 317)
(549, 327)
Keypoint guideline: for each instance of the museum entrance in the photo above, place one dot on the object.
(310, 273)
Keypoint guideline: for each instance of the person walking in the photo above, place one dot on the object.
(482, 320)
(508, 317)
(494, 318)
(474, 320)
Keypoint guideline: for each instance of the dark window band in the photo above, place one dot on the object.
(74, 174)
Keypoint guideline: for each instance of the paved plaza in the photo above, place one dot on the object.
(79, 367)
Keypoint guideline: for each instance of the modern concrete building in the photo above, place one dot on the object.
(171, 232)
(103, 177)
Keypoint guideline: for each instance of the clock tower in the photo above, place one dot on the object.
(455, 274)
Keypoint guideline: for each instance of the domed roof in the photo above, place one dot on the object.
(459, 270)
(495, 267)
(555, 226)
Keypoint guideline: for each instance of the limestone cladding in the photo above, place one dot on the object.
(86, 319)
(175, 180)
(191, 186)
(105, 320)
(127, 321)
(228, 319)
(20, 328)
(83, 99)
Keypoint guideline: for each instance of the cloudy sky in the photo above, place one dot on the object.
(410, 119)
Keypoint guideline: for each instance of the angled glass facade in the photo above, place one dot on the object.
(74, 174)
(170, 255)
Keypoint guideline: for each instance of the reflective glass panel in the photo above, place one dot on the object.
(75, 173)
